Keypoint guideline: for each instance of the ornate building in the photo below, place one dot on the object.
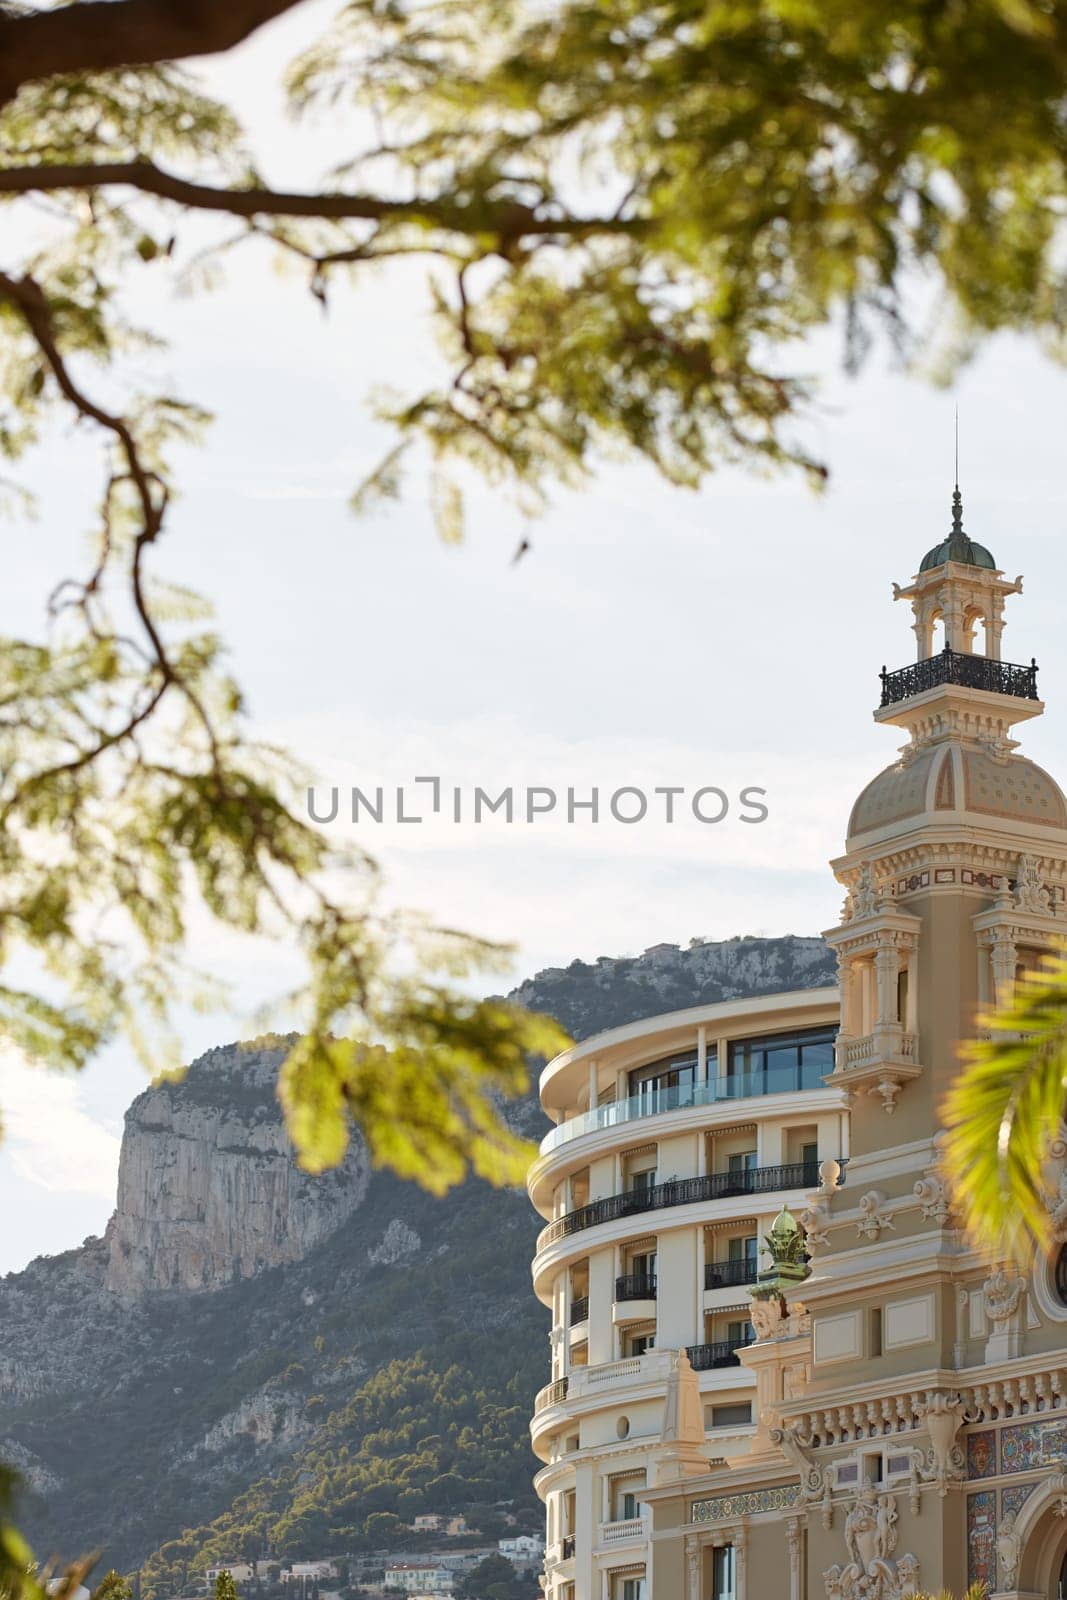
(864, 1409)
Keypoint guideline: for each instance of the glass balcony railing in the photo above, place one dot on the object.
(735, 1086)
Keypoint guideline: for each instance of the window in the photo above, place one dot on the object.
(630, 1589)
(1059, 1276)
(809, 1155)
(642, 1182)
(673, 1077)
(876, 1331)
(739, 1333)
(737, 1415)
(741, 1161)
(786, 1061)
(746, 1249)
(723, 1573)
(638, 1344)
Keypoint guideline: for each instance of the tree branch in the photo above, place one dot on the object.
(508, 219)
(101, 35)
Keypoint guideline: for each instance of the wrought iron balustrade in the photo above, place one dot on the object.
(725, 1274)
(636, 1286)
(720, 1353)
(956, 666)
(682, 1192)
(579, 1310)
(567, 1547)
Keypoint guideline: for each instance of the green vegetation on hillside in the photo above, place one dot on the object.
(420, 1435)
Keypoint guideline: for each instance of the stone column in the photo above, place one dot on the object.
(887, 968)
(1005, 957)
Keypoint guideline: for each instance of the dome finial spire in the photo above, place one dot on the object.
(958, 539)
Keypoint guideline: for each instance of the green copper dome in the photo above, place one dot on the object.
(957, 547)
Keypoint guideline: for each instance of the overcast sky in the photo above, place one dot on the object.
(649, 638)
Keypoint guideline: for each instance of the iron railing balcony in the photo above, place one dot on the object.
(567, 1547)
(720, 1353)
(636, 1286)
(579, 1310)
(682, 1192)
(727, 1274)
(734, 1086)
(956, 666)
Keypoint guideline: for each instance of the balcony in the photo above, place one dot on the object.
(722, 1353)
(682, 1192)
(551, 1395)
(635, 1286)
(567, 1547)
(579, 1310)
(734, 1086)
(727, 1274)
(623, 1532)
(956, 667)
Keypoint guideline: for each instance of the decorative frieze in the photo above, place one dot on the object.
(724, 1507)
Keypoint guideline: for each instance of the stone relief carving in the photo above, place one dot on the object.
(1008, 1552)
(863, 898)
(1003, 1296)
(816, 1222)
(873, 1215)
(1058, 1203)
(1030, 893)
(933, 1199)
(943, 1415)
(870, 1540)
(814, 1481)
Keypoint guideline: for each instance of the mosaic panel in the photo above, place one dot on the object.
(982, 1454)
(1020, 1447)
(1014, 1497)
(725, 1506)
(982, 1538)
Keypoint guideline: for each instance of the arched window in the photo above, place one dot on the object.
(1059, 1276)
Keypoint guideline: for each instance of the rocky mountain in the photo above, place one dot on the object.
(193, 1381)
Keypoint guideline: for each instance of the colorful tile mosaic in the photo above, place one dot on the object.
(1021, 1447)
(1014, 1497)
(725, 1506)
(982, 1454)
(982, 1538)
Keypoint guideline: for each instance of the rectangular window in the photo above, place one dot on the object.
(642, 1182)
(723, 1573)
(665, 1084)
(876, 1331)
(746, 1249)
(809, 1155)
(737, 1415)
(741, 1161)
(638, 1344)
(774, 1065)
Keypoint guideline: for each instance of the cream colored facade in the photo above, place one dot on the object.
(909, 1406)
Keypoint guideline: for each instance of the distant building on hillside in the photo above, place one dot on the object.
(313, 1571)
(428, 1522)
(240, 1571)
(522, 1547)
(416, 1579)
(456, 1527)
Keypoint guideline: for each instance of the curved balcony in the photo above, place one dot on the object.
(579, 1311)
(682, 1192)
(734, 1086)
(551, 1395)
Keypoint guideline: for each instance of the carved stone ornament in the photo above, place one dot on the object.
(1002, 1294)
(873, 1215)
(943, 1414)
(1030, 893)
(816, 1222)
(1058, 1203)
(870, 1539)
(1009, 1549)
(933, 1199)
(813, 1480)
(863, 899)
(766, 1317)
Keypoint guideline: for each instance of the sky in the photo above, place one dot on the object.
(650, 638)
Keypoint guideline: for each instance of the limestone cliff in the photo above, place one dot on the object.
(208, 1189)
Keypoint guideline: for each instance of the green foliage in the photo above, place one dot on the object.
(225, 1587)
(493, 1579)
(420, 1435)
(1005, 1109)
(113, 1586)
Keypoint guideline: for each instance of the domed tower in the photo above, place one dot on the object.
(955, 862)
